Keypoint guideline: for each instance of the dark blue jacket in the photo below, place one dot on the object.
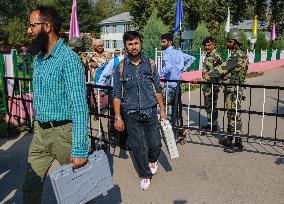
(137, 85)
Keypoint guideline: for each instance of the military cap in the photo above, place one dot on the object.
(75, 42)
(236, 35)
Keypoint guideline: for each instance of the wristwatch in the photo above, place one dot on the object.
(117, 118)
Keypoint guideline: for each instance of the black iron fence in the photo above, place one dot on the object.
(262, 109)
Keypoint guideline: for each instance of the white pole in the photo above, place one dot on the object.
(156, 56)
(167, 87)
(188, 104)
(236, 109)
(262, 120)
(20, 102)
(200, 59)
(99, 112)
(30, 104)
(212, 98)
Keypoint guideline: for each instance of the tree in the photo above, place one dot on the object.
(277, 11)
(281, 43)
(88, 43)
(11, 8)
(261, 42)
(87, 16)
(17, 31)
(200, 33)
(238, 10)
(140, 10)
(151, 34)
(260, 9)
(221, 40)
(245, 44)
(274, 45)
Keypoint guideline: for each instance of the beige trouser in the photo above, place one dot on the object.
(47, 145)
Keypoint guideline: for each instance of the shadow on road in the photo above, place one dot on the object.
(13, 159)
(180, 202)
(280, 160)
(257, 146)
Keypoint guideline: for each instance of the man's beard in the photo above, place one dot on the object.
(133, 55)
(40, 43)
(164, 47)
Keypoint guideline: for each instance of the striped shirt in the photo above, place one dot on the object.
(59, 93)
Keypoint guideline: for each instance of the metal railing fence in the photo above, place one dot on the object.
(263, 106)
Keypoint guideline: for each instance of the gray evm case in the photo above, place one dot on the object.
(83, 184)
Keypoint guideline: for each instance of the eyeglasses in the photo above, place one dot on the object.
(32, 25)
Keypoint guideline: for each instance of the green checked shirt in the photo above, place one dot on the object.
(59, 93)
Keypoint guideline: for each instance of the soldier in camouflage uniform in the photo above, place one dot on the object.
(233, 70)
(77, 45)
(211, 60)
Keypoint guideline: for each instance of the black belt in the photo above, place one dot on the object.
(50, 124)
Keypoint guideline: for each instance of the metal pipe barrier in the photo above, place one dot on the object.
(102, 112)
(254, 106)
(20, 109)
(19, 101)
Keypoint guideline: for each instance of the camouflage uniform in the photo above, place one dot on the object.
(233, 70)
(211, 60)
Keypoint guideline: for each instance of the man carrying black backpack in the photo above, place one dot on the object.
(136, 92)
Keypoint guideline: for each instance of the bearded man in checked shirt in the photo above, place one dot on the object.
(61, 113)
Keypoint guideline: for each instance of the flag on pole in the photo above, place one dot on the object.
(74, 26)
(228, 22)
(273, 32)
(179, 16)
(254, 28)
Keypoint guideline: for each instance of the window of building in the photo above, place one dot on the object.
(107, 29)
(126, 28)
(107, 44)
(114, 29)
(114, 44)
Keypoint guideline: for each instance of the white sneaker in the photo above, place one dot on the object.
(153, 167)
(145, 183)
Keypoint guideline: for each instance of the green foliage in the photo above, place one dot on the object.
(254, 74)
(261, 42)
(11, 8)
(221, 41)
(281, 43)
(87, 16)
(277, 10)
(199, 35)
(17, 31)
(260, 8)
(246, 43)
(274, 44)
(140, 10)
(151, 34)
(88, 42)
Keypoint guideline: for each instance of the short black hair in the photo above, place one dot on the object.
(131, 35)
(50, 14)
(209, 39)
(168, 37)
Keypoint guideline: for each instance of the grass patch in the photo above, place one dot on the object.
(184, 87)
(254, 74)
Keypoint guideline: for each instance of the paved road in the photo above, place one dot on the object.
(203, 173)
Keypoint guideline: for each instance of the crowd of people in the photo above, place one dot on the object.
(60, 105)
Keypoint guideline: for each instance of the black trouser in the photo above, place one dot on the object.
(144, 139)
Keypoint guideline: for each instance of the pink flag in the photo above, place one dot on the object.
(273, 33)
(74, 26)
